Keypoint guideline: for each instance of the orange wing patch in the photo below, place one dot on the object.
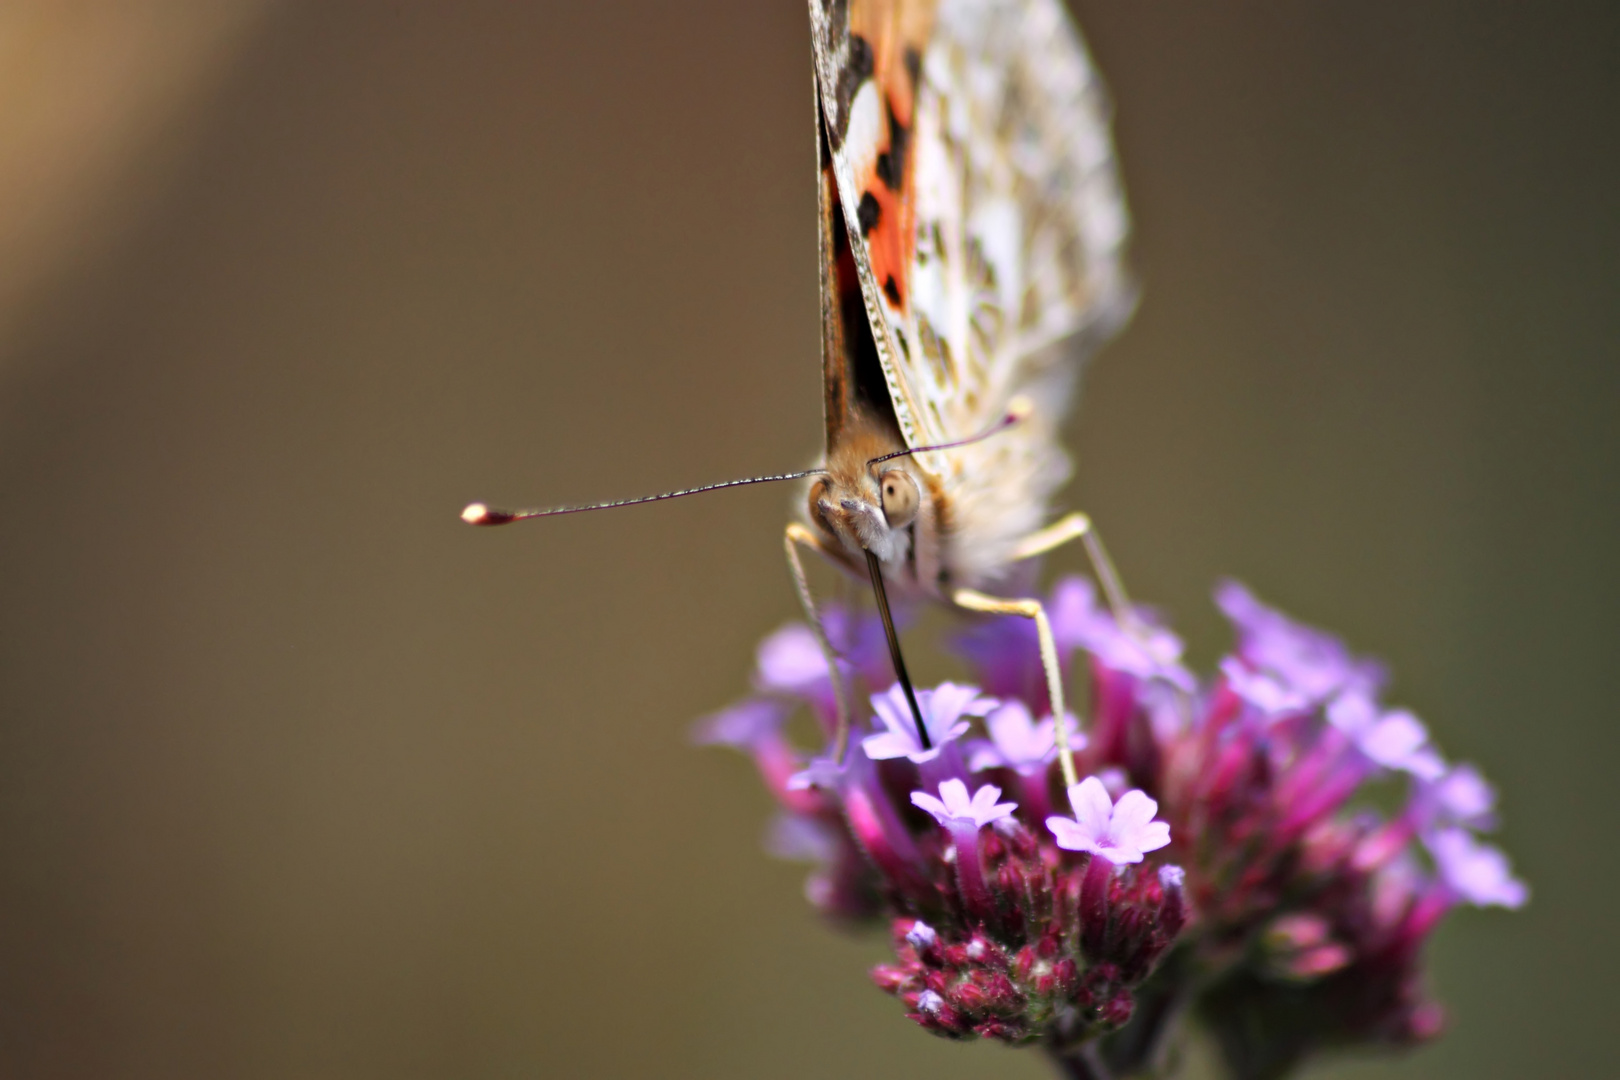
(897, 35)
(871, 56)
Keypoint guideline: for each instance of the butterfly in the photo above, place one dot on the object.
(973, 233)
(972, 245)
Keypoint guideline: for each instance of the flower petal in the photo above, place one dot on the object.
(1092, 806)
(1071, 834)
(941, 812)
(888, 744)
(984, 800)
(1133, 811)
(1154, 835)
(954, 793)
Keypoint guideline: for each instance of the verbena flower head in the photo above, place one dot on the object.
(1223, 861)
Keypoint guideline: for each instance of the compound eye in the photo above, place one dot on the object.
(900, 498)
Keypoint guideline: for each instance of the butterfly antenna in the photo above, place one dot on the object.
(1018, 410)
(875, 568)
(482, 514)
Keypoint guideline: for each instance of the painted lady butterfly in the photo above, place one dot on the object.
(972, 254)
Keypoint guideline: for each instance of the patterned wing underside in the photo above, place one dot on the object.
(1012, 247)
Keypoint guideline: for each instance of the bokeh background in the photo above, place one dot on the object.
(301, 777)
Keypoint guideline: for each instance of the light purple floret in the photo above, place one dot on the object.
(1264, 692)
(930, 1002)
(942, 710)
(791, 661)
(1120, 832)
(1478, 873)
(1309, 661)
(1394, 740)
(1146, 650)
(742, 725)
(954, 808)
(1464, 797)
(1018, 742)
(821, 772)
(921, 935)
(801, 839)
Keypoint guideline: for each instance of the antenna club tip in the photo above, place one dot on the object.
(1020, 408)
(481, 514)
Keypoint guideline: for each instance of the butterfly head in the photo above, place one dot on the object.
(867, 506)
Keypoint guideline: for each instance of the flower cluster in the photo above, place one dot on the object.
(1222, 857)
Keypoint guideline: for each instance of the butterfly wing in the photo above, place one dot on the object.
(969, 141)
(868, 55)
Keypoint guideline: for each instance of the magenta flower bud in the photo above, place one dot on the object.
(892, 978)
(1094, 908)
(1118, 1010)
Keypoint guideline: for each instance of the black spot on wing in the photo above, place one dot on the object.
(891, 289)
(891, 164)
(869, 213)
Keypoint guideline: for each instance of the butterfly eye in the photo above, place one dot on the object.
(899, 498)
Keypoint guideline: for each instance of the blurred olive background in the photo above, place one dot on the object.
(301, 777)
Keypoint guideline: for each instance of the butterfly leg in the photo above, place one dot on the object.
(1078, 527)
(796, 536)
(1032, 609)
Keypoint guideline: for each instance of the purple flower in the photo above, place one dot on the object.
(1307, 660)
(797, 838)
(1017, 742)
(1267, 694)
(742, 726)
(1394, 740)
(1144, 649)
(1029, 941)
(953, 806)
(790, 661)
(1120, 833)
(942, 711)
(858, 638)
(1476, 872)
(821, 772)
(1462, 797)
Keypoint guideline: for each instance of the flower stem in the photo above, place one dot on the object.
(1084, 1063)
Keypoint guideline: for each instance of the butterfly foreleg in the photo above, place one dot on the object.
(796, 536)
(1032, 609)
(1079, 527)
